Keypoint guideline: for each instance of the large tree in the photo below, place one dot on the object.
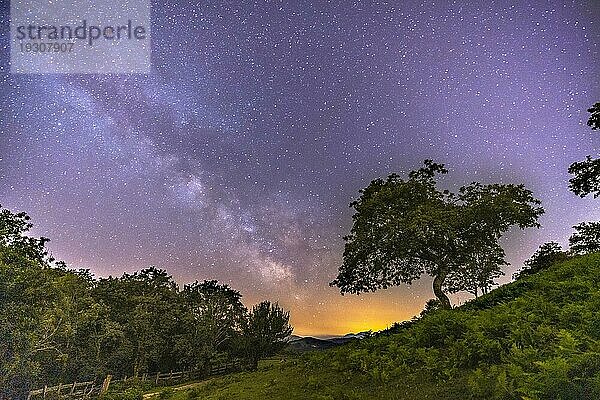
(145, 307)
(213, 315)
(586, 238)
(406, 228)
(265, 332)
(587, 173)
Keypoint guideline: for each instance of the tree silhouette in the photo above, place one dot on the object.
(586, 238)
(264, 333)
(213, 315)
(594, 121)
(543, 258)
(587, 173)
(406, 228)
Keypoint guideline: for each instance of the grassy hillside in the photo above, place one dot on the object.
(537, 338)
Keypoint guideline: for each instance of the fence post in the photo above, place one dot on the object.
(105, 385)
(89, 387)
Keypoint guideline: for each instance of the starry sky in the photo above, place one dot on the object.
(237, 157)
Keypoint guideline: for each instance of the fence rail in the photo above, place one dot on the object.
(76, 389)
(89, 389)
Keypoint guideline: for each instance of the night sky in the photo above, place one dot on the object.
(237, 157)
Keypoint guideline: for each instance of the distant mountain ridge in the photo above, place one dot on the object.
(309, 343)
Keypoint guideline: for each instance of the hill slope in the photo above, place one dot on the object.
(537, 338)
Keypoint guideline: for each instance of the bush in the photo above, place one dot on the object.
(166, 394)
(192, 394)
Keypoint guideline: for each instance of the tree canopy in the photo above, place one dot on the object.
(62, 325)
(587, 177)
(587, 173)
(544, 257)
(586, 238)
(406, 228)
(213, 318)
(594, 120)
(265, 332)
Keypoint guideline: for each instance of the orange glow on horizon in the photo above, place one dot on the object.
(353, 314)
(340, 315)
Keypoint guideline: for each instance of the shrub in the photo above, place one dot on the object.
(192, 393)
(166, 394)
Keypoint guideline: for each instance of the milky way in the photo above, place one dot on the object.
(236, 158)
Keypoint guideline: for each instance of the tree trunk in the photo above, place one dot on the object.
(438, 281)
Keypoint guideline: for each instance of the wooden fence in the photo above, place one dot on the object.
(75, 390)
(170, 377)
(91, 389)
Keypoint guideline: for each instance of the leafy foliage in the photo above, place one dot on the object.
(544, 257)
(594, 120)
(60, 325)
(477, 275)
(214, 316)
(587, 173)
(264, 332)
(586, 238)
(406, 228)
(587, 177)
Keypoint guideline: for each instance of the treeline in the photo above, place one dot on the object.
(62, 325)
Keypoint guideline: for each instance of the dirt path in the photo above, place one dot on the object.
(181, 387)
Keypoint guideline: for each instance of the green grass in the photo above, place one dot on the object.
(537, 338)
(294, 380)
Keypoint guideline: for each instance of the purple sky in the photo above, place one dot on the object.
(237, 157)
